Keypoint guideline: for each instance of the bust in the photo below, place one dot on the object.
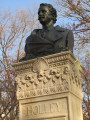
(50, 39)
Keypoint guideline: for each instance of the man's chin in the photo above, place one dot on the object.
(42, 21)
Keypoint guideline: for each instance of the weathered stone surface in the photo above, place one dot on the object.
(49, 88)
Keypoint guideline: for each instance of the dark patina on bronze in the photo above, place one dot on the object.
(50, 39)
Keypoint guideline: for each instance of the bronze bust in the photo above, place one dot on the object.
(50, 39)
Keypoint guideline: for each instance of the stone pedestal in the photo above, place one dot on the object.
(49, 88)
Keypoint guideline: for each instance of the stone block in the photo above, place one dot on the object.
(49, 88)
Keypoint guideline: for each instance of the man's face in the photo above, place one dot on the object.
(44, 15)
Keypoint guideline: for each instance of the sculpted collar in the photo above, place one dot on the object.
(53, 34)
(58, 28)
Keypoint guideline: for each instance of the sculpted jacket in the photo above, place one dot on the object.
(42, 42)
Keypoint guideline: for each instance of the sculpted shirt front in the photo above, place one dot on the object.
(43, 42)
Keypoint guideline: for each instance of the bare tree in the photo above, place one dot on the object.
(13, 31)
(78, 13)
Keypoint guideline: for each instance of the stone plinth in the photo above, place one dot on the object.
(49, 88)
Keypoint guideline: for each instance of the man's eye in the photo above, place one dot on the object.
(44, 11)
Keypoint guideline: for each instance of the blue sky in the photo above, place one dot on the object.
(19, 4)
(14, 5)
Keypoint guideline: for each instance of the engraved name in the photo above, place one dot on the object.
(32, 110)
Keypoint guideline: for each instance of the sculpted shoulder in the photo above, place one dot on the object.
(64, 32)
(60, 29)
(35, 31)
(57, 28)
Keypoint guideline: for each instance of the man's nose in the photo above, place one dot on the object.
(41, 13)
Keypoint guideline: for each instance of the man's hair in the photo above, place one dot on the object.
(52, 10)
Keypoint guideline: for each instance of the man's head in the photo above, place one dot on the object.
(46, 13)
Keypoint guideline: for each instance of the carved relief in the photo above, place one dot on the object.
(48, 76)
(43, 80)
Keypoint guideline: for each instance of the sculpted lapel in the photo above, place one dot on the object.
(58, 33)
(54, 34)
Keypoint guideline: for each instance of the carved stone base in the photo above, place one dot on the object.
(49, 88)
